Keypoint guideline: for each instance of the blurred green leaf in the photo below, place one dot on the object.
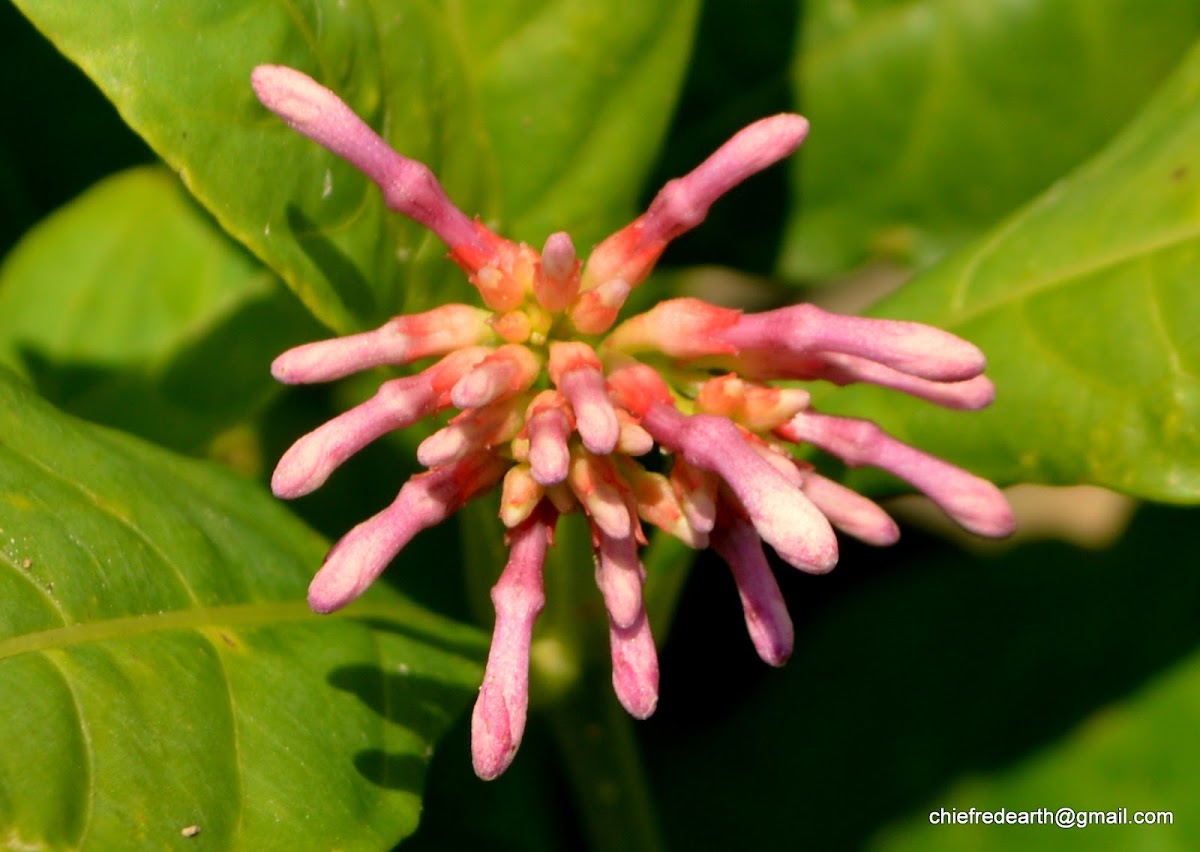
(1134, 754)
(922, 668)
(1085, 302)
(537, 117)
(131, 308)
(932, 119)
(160, 668)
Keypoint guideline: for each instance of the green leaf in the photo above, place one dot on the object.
(1127, 755)
(160, 668)
(537, 117)
(131, 308)
(1049, 675)
(1085, 302)
(932, 119)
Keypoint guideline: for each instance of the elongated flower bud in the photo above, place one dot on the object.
(408, 187)
(767, 619)
(498, 721)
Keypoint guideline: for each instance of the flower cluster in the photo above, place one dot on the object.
(558, 406)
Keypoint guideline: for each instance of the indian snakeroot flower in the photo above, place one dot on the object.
(558, 408)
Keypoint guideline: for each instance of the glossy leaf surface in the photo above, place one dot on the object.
(536, 117)
(131, 308)
(931, 120)
(161, 669)
(1085, 303)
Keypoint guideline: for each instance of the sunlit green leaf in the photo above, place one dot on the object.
(933, 119)
(539, 117)
(131, 308)
(1085, 302)
(160, 669)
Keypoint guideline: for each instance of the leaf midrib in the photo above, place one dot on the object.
(229, 615)
(163, 622)
(399, 615)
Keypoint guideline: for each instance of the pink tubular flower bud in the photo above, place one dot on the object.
(507, 371)
(969, 394)
(519, 496)
(783, 516)
(498, 720)
(309, 462)
(682, 204)
(908, 347)
(558, 284)
(681, 328)
(595, 311)
(425, 500)
(696, 491)
(599, 487)
(658, 504)
(471, 431)
(619, 576)
(633, 440)
(549, 426)
(849, 511)
(635, 667)
(767, 619)
(576, 371)
(397, 404)
(757, 408)
(839, 369)
(974, 503)
(399, 341)
(408, 187)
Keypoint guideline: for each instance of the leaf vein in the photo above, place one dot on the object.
(135, 625)
(20, 572)
(992, 243)
(85, 732)
(105, 509)
(234, 735)
(1155, 306)
(1169, 240)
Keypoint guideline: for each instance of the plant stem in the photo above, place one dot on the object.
(594, 734)
(596, 739)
